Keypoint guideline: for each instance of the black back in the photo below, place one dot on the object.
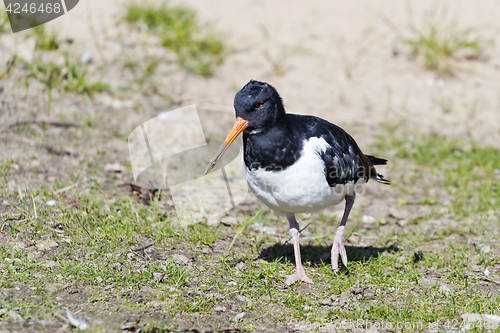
(278, 149)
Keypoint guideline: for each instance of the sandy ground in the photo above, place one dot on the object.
(338, 60)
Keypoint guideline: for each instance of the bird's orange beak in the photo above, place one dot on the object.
(238, 127)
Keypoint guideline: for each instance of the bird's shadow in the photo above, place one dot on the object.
(319, 254)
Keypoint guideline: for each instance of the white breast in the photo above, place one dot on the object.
(300, 188)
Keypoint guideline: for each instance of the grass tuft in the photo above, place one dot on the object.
(468, 169)
(4, 22)
(199, 49)
(70, 76)
(45, 40)
(440, 47)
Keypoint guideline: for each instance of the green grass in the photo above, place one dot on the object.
(145, 73)
(199, 49)
(45, 40)
(4, 167)
(4, 22)
(70, 76)
(442, 46)
(5, 71)
(97, 231)
(468, 169)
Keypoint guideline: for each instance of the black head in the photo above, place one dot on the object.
(259, 109)
(260, 104)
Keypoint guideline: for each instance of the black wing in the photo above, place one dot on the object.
(344, 161)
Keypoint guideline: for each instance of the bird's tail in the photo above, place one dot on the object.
(376, 160)
(380, 178)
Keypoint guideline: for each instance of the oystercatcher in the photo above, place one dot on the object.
(297, 164)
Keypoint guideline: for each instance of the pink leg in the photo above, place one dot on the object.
(300, 274)
(338, 241)
(338, 248)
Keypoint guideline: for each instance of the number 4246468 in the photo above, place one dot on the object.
(33, 8)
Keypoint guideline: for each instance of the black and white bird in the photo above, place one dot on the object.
(297, 164)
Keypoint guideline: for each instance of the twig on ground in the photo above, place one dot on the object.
(64, 189)
(161, 277)
(43, 122)
(143, 248)
(485, 278)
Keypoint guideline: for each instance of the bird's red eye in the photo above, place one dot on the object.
(258, 105)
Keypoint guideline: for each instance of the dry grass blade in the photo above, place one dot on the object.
(238, 233)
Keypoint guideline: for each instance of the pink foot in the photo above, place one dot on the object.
(338, 249)
(298, 276)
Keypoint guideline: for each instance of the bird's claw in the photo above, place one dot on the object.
(298, 276)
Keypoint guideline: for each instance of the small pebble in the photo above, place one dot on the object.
(431, 82)
(401, 259)
(476, 268)
(444, 288)
(401, 223)
(52, 287)
(46, 245)
(241, 266)
(229, 220)
(180, 259)
(368, 294)
(354, 239)
(241, 298)
(14, 315)
(486, 272)
(52, 263)
(231, 283)
(129, 326)
(368, 219)
(240, 316)
(486, 249)
(220, 308)
(214, 220)
(46, 323)
(51, 203)
(325, 302)
(497, 171)
(86, 57)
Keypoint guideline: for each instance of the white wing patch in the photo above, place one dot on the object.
(300, 188)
